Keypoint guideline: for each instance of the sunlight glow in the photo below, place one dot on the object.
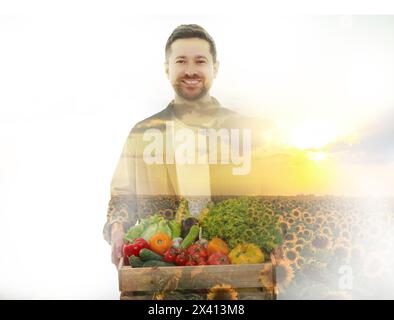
(312, 135)
(316, 155)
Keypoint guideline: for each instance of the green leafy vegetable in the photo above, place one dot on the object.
(148, 227)
(243, 220)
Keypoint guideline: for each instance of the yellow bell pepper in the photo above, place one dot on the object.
(247, 253)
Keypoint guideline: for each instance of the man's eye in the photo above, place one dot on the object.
(201, 61)
(180, 61)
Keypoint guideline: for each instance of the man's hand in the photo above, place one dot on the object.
(117, 234)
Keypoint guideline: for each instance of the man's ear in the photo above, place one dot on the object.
(215, 68)
(166, 69)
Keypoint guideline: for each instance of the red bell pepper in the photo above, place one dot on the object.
(129, 250)
(133, 249)
(142, 244)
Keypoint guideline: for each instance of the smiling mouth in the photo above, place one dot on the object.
(191, 82)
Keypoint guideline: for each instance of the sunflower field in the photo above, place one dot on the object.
(334, 247)
(328, 248)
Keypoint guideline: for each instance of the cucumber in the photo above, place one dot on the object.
(146, 254)
(135, 262)
(191, 236)
(156, 263)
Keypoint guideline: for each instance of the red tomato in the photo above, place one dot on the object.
(196, 249)
(181, 258)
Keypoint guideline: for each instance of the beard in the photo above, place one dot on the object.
(190, 94)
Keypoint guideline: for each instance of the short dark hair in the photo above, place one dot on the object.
(186, 31)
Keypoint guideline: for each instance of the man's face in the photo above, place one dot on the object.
(190, 68)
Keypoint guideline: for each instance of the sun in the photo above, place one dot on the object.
(313, 138)
(312, 135)
(316, 155)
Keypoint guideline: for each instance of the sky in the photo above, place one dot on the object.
(75, 78)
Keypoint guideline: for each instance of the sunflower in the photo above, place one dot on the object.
(330, 219)
(326, 231)
(271, 212)
(290, 237)
(284, 226)
(251, 210)
(313, 220)
(341, 252)
(288, 245)
(299, 235)
(158, 296)
(266, 277)
(284, 274)
(321, 242)
(306, 215)
(309, 220)
(319, 220)
(298, 248)
(222, 292)
(147, 211)
(345, 234)
(296, 213)
(167, 213)
(307, 233)
(291, 221)
(291, 255)
(343, 241)
(299, 262)
(299, 228)
(203, 214)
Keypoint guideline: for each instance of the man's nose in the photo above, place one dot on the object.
(190, 70)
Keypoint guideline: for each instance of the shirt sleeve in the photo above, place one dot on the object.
(122, 206)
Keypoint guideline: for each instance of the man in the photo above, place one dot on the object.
(168, 155)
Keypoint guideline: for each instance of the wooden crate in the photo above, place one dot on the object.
(143, 283)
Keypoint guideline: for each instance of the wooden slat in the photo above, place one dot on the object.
(125, 296)
(253, 294)
(120, 267)
(190, 277)
(242, 294)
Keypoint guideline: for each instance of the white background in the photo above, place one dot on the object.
(75, 76)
